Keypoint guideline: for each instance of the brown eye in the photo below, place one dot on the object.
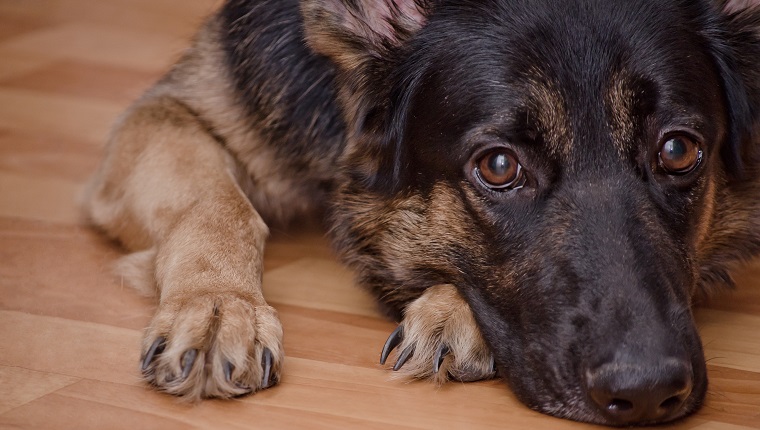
(499, 170)
(679, 155)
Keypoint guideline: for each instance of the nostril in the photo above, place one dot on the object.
(620, 406)
(671, 403)
(628, 393)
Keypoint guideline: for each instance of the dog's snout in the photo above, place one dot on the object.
(635, 393)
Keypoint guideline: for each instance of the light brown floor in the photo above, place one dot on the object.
(69, 330)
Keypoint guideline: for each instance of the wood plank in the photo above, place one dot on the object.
(52, 205)
(70, 117)
(319, 284)
(65, 271)
(100, 43)
(741, 349)
(85, 79)
(71, 348)
(21, 386)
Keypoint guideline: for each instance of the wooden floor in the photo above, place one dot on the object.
(69, 330)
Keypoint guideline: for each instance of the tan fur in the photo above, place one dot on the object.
(548, 103)
(138, 271)
(171, 192)
(731, 217)
(410, 233)
(706, 220)
(440, 315)
(222, 327)
(620, 100)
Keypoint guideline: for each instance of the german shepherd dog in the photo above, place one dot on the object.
(534, 189)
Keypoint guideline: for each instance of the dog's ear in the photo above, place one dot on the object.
(365, 40)
(731, 6)
(738, 60)
(355, 32)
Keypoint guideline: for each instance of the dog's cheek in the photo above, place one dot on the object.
(442, 238)
(733, 234)
(705, 218)
(402, 244)
(737, 56)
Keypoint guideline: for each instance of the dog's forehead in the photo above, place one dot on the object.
(579, 73)
(612, 106)
(571, 115)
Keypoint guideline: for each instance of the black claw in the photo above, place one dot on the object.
(405, 354)
(393, 340)
(493, 364)
(188, 359)
(228, 369)
(443, 350)
(266, 356)
(155, 350)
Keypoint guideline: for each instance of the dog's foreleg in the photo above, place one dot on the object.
(168, 190)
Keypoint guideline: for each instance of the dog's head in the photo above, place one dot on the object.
(579, 170)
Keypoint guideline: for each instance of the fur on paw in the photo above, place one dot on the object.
(212, 345)
(438, 339)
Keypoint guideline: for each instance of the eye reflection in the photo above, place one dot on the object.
(500, 169)
(679, 155)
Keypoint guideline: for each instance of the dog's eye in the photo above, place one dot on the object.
(500, 170)
(679, 155)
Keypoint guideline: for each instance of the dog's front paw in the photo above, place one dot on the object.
(213, 345)
(438, 339)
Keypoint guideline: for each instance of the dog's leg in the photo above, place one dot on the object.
(168, 190)
(439, 339)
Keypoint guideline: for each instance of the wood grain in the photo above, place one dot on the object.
(70, 330)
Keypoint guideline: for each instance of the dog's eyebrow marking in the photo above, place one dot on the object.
(548, 104)
(620, 100)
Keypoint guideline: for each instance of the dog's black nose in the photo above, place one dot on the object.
(634, 393)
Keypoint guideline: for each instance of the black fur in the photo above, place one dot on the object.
(264, 44)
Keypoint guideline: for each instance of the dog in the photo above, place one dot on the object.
(535, 190)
